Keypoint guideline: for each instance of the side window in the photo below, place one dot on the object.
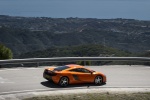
(74, 70)
(82, 70)
(85, 70)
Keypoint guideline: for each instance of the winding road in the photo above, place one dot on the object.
(21, 80)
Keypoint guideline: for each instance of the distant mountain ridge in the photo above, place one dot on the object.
(26, 34)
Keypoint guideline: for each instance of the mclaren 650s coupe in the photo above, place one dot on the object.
(73, 74)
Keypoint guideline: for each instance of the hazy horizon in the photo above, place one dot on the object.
(102, 9)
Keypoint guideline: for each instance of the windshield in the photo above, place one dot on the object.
(61, 68)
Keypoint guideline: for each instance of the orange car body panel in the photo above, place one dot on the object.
(81, 77)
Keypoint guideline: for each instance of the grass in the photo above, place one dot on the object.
(95, 96)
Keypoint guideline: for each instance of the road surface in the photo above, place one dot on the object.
(21, 80)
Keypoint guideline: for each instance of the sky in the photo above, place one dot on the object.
(102, 9)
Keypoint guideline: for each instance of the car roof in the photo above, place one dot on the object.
(74, 66)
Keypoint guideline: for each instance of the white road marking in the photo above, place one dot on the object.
(81, 89)
(12, 92)
(3, 81)
(9, 69)
(6, 82)
(39, 90)
(21, 68)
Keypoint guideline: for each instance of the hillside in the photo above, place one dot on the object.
(76, 51)
(27, 34)
(89, 50)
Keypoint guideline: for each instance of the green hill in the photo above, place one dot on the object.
(27, 34)
(76, 51)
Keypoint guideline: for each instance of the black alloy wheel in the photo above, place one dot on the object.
(98, 80)
(64, 81)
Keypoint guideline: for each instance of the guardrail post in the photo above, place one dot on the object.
(37, 64)
(84, 63)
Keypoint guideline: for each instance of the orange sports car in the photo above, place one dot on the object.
(72, 74)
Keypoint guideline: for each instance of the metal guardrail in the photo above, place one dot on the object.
(69, 59)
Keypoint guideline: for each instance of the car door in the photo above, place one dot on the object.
(82, 75)
(85, 75)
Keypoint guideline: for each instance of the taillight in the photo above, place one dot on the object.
(49, 72)
(54, 74)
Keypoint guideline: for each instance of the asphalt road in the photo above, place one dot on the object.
(21, 80)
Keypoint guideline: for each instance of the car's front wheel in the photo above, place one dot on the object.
(64, 81)
(98, 80)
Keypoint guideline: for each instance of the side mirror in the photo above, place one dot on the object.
(92, 71)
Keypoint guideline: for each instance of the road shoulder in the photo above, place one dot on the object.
(75, 92)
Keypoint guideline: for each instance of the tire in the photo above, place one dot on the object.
(98, 80)
(64, 81)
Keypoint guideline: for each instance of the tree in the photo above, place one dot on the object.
(5, 53)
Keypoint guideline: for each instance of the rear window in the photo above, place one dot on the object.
(61, 68)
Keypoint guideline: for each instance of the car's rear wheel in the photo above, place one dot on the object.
(98, 80)
(64, 81)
